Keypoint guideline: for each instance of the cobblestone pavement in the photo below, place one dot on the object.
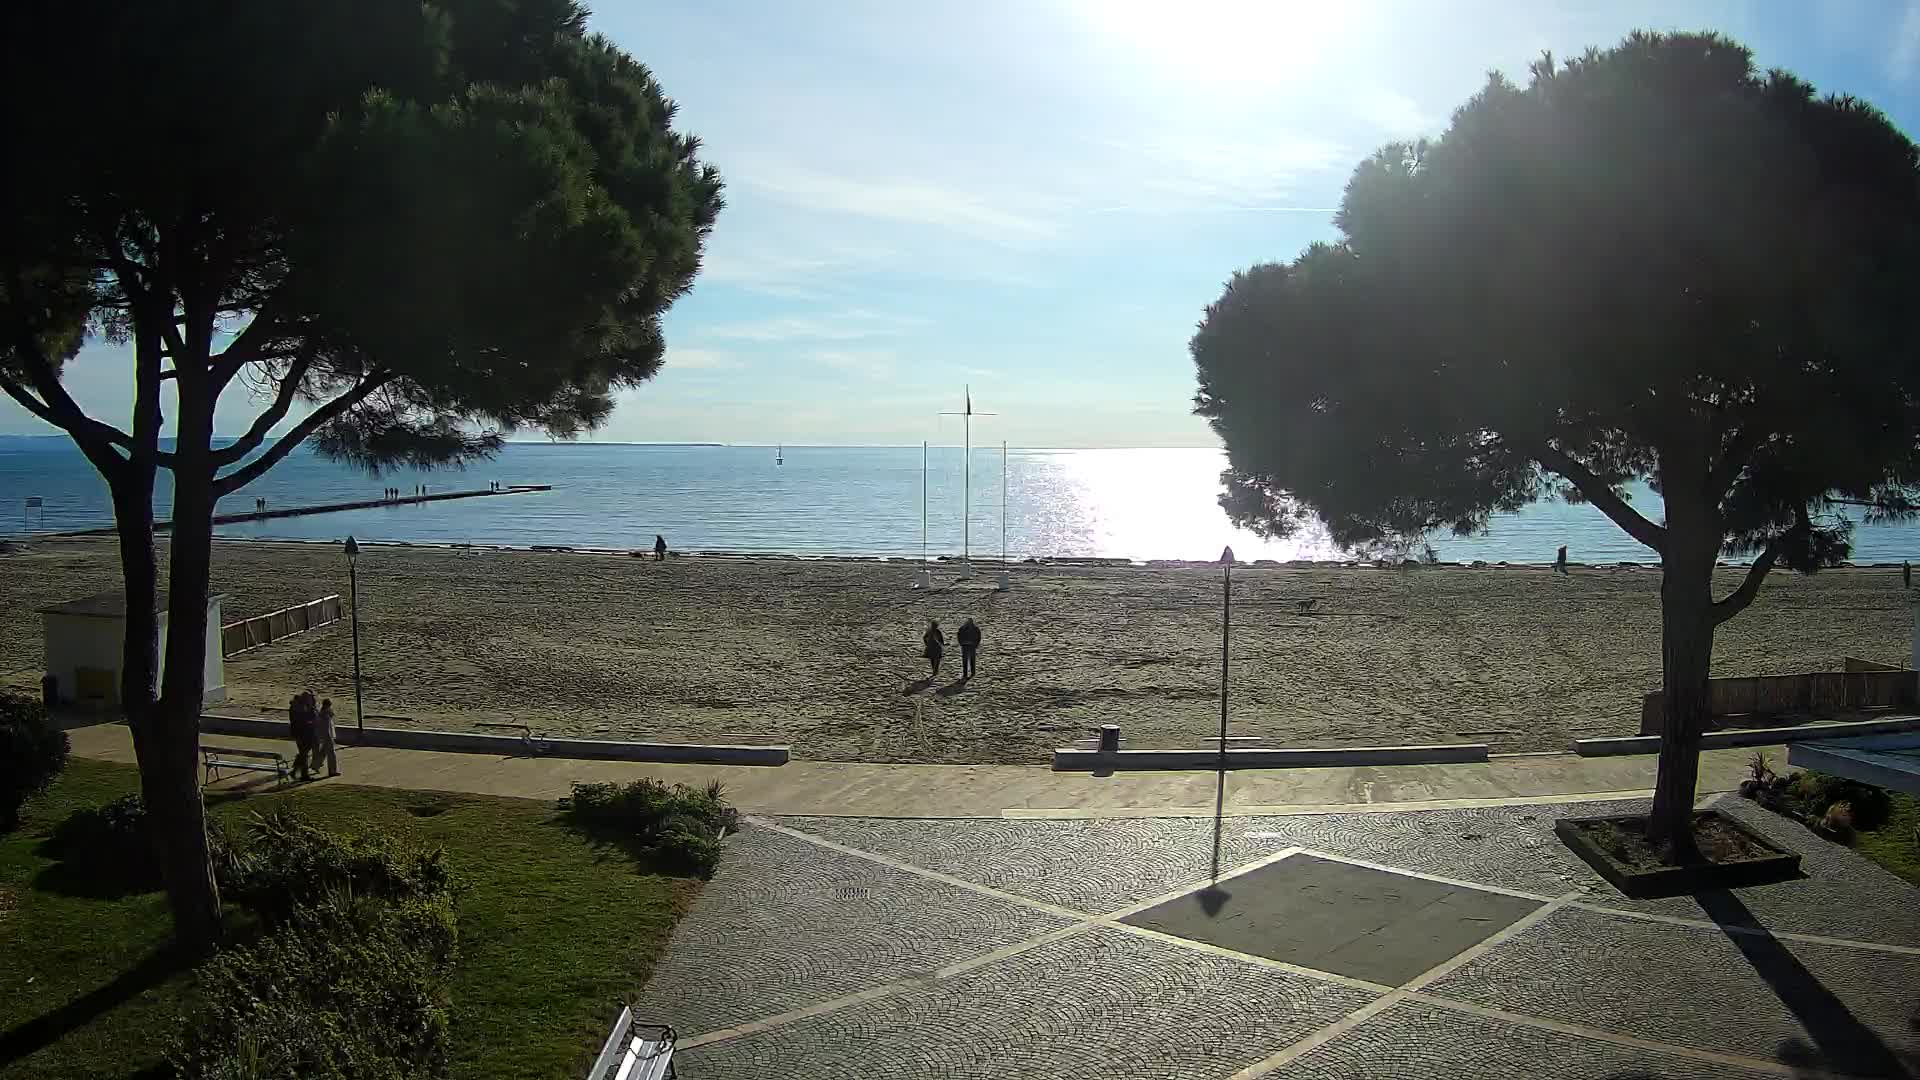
(843, 947)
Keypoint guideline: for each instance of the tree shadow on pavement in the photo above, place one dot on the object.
(1841, 1043)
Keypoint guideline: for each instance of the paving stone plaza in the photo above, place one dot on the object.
(1409, 944)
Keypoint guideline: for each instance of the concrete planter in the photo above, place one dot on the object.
(1677, 880)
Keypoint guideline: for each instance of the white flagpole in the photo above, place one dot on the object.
(1003, 504)
(923, 505)
(966, 488)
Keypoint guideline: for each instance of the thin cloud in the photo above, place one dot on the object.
(1905, 53)
(902, 200)
(878, 365)
(701, 360)
(842, 326)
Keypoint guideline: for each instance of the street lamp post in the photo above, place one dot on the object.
(1226, 630)
(353, 586)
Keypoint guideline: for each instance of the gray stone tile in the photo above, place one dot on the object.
(1333, 916)
(1852, 1009)
(1100, 1004)
(786, 923)
(1418, 1041)
(1094, 866)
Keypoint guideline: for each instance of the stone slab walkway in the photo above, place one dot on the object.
(866, 947)
(879, 790)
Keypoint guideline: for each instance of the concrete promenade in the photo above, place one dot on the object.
(860, 789)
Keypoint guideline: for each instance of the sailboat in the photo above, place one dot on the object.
(780, 454)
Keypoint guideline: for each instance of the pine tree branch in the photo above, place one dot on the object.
(1601, 494)
(1738, 600)
(56, 407)
(319, 418)
(256, 434)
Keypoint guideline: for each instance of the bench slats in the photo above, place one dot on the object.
(635, 1051)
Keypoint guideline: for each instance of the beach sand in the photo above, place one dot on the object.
(818, 653)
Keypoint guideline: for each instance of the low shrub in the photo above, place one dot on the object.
(350, 988)
(32, 753)
(113, 846)
(1838, 822)
(1814, 797)
(110, 844)
(676, 826)
(289, 862)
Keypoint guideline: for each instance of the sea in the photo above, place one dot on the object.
(876, 501)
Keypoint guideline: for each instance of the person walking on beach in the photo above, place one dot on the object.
(301, 717)
(936, 647)
(1560, 560)
(659, 548)
(969, 646)
(323, 734)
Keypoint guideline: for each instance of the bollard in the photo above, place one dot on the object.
(1109, 738)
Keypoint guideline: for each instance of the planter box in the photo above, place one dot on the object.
(1677, 880)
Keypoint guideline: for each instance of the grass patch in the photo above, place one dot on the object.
(1896, 844)
(553, 932)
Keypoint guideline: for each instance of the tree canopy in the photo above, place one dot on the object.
(401, 229)
(1651, 262)
(434, 223)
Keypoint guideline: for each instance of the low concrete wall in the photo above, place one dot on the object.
(512, 745)
(1720, 740)
(1067, 759)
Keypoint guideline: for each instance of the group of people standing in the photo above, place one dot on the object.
(935, 643)
(312, 735)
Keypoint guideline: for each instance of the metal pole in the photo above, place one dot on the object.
(966, 488)
(359, 708)
(1226, 632)
(1003, 504)
(923, 504)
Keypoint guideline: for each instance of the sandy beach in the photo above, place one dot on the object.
(821, 654)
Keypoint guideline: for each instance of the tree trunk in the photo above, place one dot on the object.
(1686, 647)
(173, 790)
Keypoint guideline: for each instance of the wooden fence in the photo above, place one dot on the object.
(262, 629)
(1818, 693)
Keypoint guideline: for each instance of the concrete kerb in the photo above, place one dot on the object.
(1721, 740)
(1069, 759)
(514, 746)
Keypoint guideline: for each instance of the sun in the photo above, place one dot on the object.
(1261, 42)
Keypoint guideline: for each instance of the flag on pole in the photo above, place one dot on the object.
(969, 401)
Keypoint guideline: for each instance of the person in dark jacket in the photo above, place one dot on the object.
(969, 646)
(302, 717)
(936, 647)
(659, 548)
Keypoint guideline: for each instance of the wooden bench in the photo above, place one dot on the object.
(635, 1051)
(232, 757)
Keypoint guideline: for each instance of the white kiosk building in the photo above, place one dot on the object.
(85, 640)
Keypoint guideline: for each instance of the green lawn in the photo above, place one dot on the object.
(1895, 845)
(554, 932)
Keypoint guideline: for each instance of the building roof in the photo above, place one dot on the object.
(1888, 761)
(110, 605)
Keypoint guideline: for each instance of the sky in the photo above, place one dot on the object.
(1038, 198)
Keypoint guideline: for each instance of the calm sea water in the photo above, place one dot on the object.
(1137, 504)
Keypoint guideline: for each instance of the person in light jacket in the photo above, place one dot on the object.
(323, 739)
